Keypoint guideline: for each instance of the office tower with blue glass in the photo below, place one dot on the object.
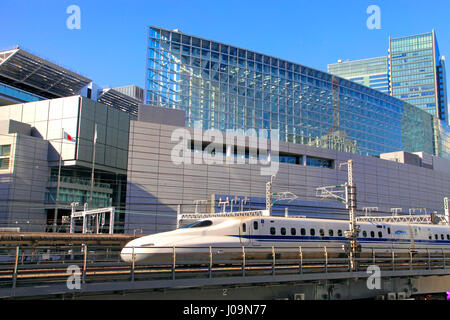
(372, 72)
(417, 73)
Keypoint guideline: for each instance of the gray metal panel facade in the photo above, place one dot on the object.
(21, 188)
(77, 116)
(172, 117)
(156, 185)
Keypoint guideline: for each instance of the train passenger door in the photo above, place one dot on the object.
(256, 227)
(245, 232)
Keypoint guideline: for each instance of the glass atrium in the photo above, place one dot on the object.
(226, 87)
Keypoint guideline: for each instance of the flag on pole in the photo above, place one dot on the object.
(69, 137)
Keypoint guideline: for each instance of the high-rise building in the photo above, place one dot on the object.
(224, 87)
(372, 72)
(417, 73)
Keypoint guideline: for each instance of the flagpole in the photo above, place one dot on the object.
(93, 163)
(59, 180)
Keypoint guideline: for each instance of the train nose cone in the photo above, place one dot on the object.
(127, 254)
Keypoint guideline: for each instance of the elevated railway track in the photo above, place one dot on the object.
(45, 238)
(51, 271)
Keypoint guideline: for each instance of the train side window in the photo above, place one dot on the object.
(442, 236)
(255, 225)
(430, 237)
(293, 231)
(283, 231)
(321, 232)
(340, 233)
(448, 237)
(380, 234)
(302, 231)
(372, 234)
(436, 236)
(312, 232)
(330, 232)
(199, 224)
(365, 234)
(389, 230)
(272, 230)
(244, 227)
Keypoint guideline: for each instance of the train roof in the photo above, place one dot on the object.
(416, 220)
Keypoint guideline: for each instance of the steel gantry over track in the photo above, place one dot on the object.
(346, 194)
(433, 218)
(92, 218)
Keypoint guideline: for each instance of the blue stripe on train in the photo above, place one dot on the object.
(268, 238)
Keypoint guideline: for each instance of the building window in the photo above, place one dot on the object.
(317, 162)
(5, 153)
(290, 159)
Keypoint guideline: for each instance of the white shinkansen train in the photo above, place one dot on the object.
(225, 237)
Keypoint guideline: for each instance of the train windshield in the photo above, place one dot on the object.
(199, 224)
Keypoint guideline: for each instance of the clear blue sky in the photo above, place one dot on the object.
(110, 47)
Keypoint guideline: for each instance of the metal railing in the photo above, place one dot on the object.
(420, 219)
(25, 266)
(252, 213)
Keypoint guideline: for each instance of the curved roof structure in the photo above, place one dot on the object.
(116, 99)
(27, 71)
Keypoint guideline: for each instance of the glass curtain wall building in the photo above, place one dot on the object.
(442, 138)
(417, 73)
(226, 87)
(372, 72)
